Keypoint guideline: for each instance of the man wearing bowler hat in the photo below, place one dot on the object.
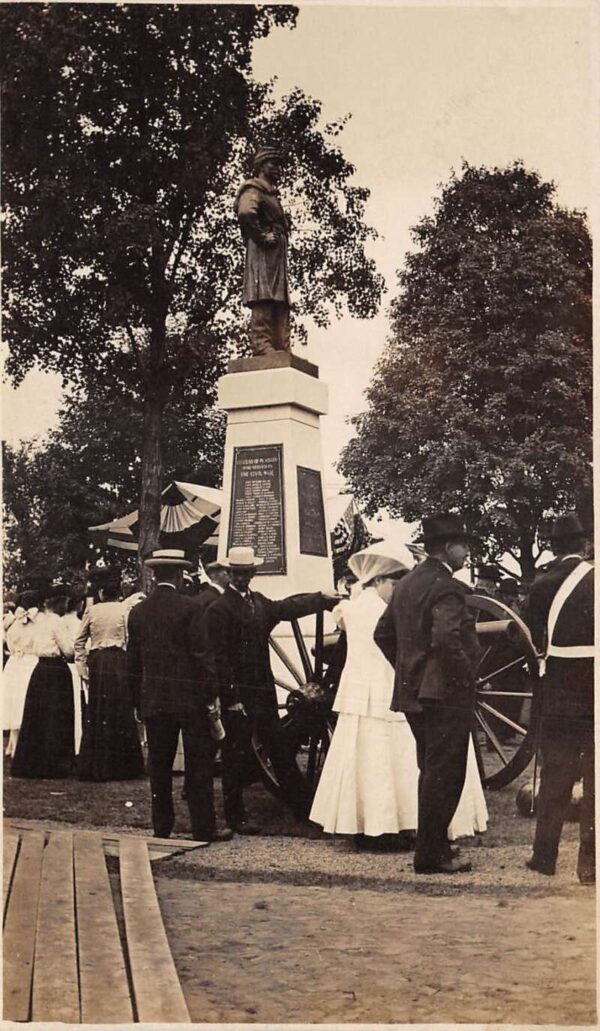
(561, 618)
(238, 625)
(171, 697)
(428, 634)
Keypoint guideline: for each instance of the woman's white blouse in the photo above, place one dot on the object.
(51, 637)
(20, 634)
(105, 624)
(367, 681)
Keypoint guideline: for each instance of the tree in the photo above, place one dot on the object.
(88, 471)
(127, 129)
(481, 402)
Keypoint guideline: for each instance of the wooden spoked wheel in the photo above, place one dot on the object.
(506, 706)
(307, 721)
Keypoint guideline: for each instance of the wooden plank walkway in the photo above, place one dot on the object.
(101, 960)
(64, 959)
(158, 995)
(20, 928)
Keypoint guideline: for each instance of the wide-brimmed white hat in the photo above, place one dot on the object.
(242, 558)
(381, 559)
(168, 557)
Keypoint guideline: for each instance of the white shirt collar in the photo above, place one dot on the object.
(165, 583)
(217, 587)
(574, 554)
(242, 594)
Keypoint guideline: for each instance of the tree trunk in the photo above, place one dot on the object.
(152, 477)
(526, 560)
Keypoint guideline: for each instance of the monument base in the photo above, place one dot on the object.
(273, 483)
(273, 360)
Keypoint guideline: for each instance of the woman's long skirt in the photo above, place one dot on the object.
(15, 681)
(369, 783)
(45, 745)
(110, 744)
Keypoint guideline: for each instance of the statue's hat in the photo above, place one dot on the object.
(266, 154)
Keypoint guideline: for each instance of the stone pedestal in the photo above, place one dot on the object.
(273, 482)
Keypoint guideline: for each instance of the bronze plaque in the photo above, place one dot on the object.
(256, 519)
(313, 533)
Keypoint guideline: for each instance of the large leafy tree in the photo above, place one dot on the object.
(87, 471)
(127, 129)
(481, 402)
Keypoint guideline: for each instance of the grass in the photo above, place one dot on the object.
(126, 804)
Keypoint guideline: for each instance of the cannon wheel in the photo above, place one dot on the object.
(506, 702)
(307, 722)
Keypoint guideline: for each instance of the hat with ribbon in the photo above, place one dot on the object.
(567, 526)
(168, 557)
(242, 558)
(444, 527)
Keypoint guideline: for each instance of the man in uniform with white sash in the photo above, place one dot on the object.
(561, 616)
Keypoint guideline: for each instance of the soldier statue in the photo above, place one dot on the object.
(264, 228)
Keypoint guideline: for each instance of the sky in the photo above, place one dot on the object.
(426, 86)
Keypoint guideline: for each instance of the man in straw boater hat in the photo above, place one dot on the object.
(239, 624)
(264, 228)
(561, 618)
(171, 696)
(428, 634)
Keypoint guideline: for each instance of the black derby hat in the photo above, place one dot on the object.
(443, 527)
(568, 525)
(489, 573)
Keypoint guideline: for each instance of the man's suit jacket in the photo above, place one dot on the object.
(199, 636)
(568, 686)
(162, 671)
(238, 631)
(428, 635)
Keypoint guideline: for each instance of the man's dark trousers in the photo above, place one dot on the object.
(162, 732)
(236, 753)
(442, 737)
(567, 747)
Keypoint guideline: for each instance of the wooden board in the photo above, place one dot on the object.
(158, 995)
(10, 842)
(20, 927)
(55, 994)
(109, 838)
(104, 988)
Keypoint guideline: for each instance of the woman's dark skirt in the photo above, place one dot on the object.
(45, 748)
(110, 744)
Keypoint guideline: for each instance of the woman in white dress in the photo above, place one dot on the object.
(20, 665)
(369, 782)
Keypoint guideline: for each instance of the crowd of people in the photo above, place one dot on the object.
(400, 772)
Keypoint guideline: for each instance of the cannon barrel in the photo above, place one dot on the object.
(499, 628)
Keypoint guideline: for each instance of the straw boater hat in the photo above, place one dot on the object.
(168, 557)
(242, 558)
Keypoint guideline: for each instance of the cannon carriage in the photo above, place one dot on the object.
(506, 704)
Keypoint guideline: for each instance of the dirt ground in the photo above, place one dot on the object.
(283, 953)
(292, 926)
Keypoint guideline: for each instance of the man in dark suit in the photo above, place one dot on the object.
(239, 624)
(171, 697)
(561, 618)
(428, 634)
